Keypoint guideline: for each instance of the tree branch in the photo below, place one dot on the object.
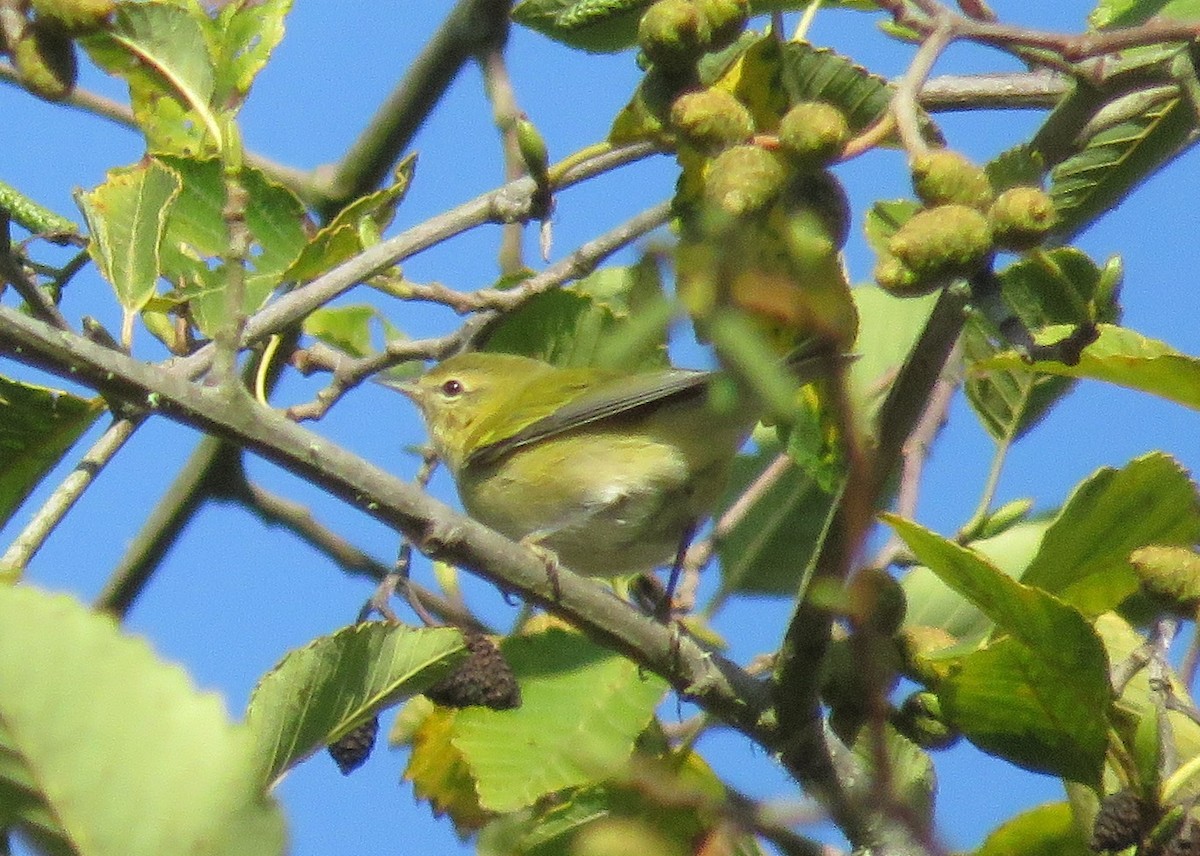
(711, 681)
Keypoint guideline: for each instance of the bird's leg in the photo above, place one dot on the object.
(549, 559)
(667, 606)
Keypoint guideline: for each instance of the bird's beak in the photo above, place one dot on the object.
(407, 388)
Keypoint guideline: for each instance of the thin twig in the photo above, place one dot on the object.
(488, 302)
(63, 498)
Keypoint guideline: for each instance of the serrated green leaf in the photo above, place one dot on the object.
(196, 238)
(1039, 695)
(582, 709)
(321, 691)
(126, 217)
(1121, 356)
(1115, 160)
(1059, 286)
(115, 741)
(812, 73)
(1084, 556)
(1010, 701)
(1047, 830)
(342, 237)
(37, 427)
(616, 317)
(246, 35)
(1019, 166)
(933, 603)
(600, 26)
(161, 51)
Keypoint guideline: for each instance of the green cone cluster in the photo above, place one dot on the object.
(963, 223)
(674, 34)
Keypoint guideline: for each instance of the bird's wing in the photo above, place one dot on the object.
(618, 397)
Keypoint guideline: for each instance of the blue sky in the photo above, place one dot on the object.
(232, 597)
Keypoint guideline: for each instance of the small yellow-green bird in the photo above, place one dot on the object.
(609, 471)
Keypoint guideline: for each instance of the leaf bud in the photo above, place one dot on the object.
(944, 177)
(744, 179)
(919, 718)
(74, 17)
(1021, 217)
(813, 133)
(672, 34)
(942, 242)
(711, 120)
(45, 61)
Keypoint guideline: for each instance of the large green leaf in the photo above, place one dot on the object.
(1117, 158)
(1084, 556)
(1047, 830)
(102, 743)
(582, 709)
(1121, 356)
(127, 219)
(615, 317)
(318, 693)
(242, 38)
(933, 603)
(1130, 13)
(161, 50)
(37, 427)
(197, 238)
(1059, 286)
(1038, 693)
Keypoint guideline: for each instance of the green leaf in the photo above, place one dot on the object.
(1038, 694)
(127, 219)
(1116, 159)
(1047, 830)
(888, 328)
(161, 50)
(1129, 13)
(1032, 616)
(582, 709)
(615, 317)
(600, 26)
(820, 74)
(1121, 356)
(104, 742)
(1084, 556)
(1019, 166)
(885, 218)
(1059, 286)
(37, 427)
(342, 237)
(321, 691)
(1010, 700)
(246, 34)
(196, 238)
(771, 549)
(933, 603)
(349, 328)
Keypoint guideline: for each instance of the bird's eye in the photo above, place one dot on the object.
(452, 387)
